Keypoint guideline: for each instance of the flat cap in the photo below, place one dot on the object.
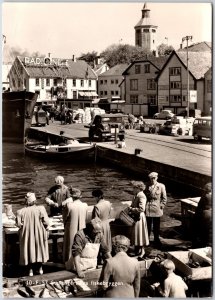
(153, 174)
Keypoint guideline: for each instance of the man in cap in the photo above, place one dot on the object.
(56, 195)
(156, 201)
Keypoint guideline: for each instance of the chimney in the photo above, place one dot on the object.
(180, 46)
(73, 58)
(49, 54)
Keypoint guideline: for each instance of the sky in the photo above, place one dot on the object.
(73, 28)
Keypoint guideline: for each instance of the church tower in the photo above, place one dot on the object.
(145, 32)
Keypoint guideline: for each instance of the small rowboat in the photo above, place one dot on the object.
(73, 149)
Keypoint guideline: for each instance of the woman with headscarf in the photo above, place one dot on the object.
(102, 210)
(74, 219)
(33, 223)
(56, 195)
(88, 244)
(139, 236)
(121, 273)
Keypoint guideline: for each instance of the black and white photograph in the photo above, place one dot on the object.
(107, 150)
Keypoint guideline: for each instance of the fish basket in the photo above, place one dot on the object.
(126, 219)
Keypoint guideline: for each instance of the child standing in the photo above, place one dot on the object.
(174, 286)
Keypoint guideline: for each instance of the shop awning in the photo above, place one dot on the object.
(118, 101)
(94, 94)
(82, 94)
(95, 101)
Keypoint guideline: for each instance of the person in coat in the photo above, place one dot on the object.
(56, 195)
(102, 210)
(88, 244)
(74, 219)
(139, 237)
(33, 223)
(156, 201)
(203, 221)
(121, 273)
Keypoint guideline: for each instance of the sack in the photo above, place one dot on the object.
(126, 219)
(135, 216)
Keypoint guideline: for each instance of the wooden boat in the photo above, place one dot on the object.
(73, 149)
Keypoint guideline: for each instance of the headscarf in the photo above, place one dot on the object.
(30, 198)
(59, 180)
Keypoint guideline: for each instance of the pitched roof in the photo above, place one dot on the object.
(158, 62)
(198, 47)
(79, 69)
(198, 63)
(116, 70)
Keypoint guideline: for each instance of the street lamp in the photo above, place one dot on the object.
(187, 38)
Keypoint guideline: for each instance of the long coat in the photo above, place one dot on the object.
(122, 273)
(139, 235)
(156, 197)
(74, 219)
(33, 236)
(102, 210)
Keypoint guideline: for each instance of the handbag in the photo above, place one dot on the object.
(125, 218)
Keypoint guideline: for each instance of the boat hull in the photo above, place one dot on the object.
(63, 153)
(17, 112)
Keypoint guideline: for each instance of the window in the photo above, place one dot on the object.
(174, 71)
(74, 82)
(13, 81)
(145, 30)
(151, 84)
(153, 30)
(105, 92)
(19, 83)
(137, 69)
(112, 81)
(134, 99)
(133, 84)
(105, 81)
(209, 86)
(74, 94)
(47, 82)
(116, 81)
(55, 82)
(82, 82)
(175, 84)
(184, 98)
(37, 81)
(90, 82)
(25, 82)
(151, 99)
(175, 98)
(101, 81)
(117, 92)
(147, 68)
(138, 37)
(38, 93)
(101, 93)
(112, 92)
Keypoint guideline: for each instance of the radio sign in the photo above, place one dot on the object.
(193, 96)
(45, 61)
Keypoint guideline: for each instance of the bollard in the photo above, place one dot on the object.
(137, 151)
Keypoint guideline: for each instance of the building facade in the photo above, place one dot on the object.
(208, 92)
(55, 80)
(146, 32)
(173, 81)
(108, 85)
(140, 87)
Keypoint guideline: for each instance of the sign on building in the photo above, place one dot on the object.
(162, 100)
(193, 96)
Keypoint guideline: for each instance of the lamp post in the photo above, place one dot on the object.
(187, 38)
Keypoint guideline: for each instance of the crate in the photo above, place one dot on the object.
(181, 258)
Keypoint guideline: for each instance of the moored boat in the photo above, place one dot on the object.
(73, 149)
(17, 112)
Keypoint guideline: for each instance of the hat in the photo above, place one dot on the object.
(75, 193)
(121, 240)
(59, 180)
(97, 193)
(30, 197)
(153, 175)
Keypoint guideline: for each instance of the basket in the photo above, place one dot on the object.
(126, 219)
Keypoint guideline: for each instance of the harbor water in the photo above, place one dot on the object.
(22, 174)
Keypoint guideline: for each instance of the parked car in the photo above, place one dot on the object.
(107, 126)
(202, 128)
(147, 127)
(164, 114)
(177, 126)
